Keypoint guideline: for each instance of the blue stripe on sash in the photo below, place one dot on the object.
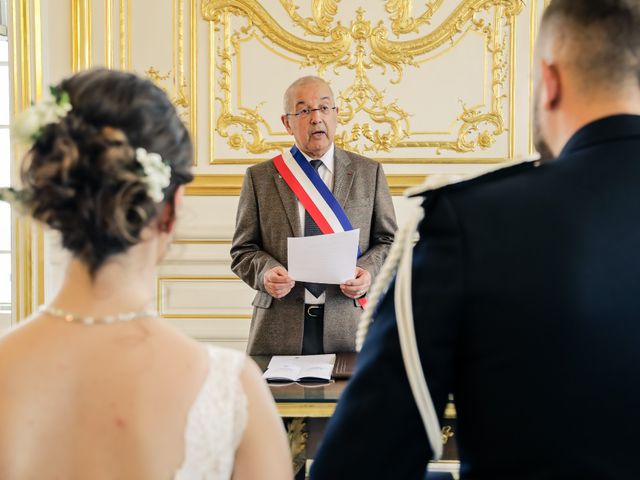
(322, 188)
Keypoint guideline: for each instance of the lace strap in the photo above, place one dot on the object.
(217, 419)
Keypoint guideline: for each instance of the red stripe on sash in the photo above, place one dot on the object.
(302, 196)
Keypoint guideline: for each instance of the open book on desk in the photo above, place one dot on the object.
(300, 368)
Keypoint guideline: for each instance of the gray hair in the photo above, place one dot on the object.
(300, 82)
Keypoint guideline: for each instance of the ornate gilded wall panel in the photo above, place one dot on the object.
(154, 39)
(166, 52)
(430, 86)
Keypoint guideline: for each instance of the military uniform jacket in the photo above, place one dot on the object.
(526, 303)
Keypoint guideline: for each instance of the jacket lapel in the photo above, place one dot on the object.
(290, 204)
(343, 177)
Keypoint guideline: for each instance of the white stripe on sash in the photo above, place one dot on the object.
(313, 193)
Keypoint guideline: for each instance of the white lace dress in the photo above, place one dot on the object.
(216, 421)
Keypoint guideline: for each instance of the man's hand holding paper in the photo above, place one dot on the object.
(359, 286)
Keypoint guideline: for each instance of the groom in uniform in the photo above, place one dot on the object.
(526, 289)
(290, 317)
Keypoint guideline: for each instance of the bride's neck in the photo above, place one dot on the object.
(124, 283)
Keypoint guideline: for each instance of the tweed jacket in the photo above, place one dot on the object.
(268, 215)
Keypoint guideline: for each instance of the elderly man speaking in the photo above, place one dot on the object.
(309, 318)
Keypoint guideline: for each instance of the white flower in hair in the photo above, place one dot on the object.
(13, 197)
(29, 124)
(157, 174)
(8, 195)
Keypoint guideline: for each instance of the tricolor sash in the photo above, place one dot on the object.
(313, 194)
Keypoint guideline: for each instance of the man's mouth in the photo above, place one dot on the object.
(319, 133)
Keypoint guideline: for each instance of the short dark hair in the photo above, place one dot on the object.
(605, 36)
(82, 178)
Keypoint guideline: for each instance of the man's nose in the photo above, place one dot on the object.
(316, 116)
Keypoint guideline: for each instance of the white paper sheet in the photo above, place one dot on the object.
(323, 258)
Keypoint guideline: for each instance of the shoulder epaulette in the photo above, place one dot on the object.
(439, 181)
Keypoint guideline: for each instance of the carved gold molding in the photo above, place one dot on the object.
(450, 411)
(401, 19)
(533, 32)
(215, 185)
(108, 29)
(27, 79)
(201, 241)
(230, 184)
(80, 34)
(533, 35)
(311, 409)
(384, 160)
(124, 25)
(360, 48)
(323, 12)
(183, 94)
(177, 87)
(446, 433)
(297, 435)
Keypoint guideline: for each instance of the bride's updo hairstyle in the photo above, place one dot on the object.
(82, 177)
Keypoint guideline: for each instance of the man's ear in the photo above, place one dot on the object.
(167, 218)
(551, 85)
(285, 121)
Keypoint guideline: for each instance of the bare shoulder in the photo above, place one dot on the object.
(255, 387)
(177, 342)
(19, 339)
(251, 371)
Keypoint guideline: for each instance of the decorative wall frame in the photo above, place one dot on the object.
(369, 121)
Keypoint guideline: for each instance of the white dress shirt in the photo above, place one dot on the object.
(326, 174)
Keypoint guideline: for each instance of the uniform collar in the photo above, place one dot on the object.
(603, 130)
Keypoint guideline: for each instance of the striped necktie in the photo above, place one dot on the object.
(311, 229)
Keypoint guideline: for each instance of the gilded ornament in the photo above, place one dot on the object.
(179, 97)
(401, 19)
(360, 28)
(323, 12)
(360, 48)
(154, 75)
(485, 139)
(447, 433)
(175, 76)
(318, 54)
(297, 435)
(236, 141)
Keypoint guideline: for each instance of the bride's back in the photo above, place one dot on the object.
(95, 386)
(96, 402)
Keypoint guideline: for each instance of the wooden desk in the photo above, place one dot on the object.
(309, 400)
(307, 408)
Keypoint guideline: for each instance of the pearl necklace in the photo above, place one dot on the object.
(89, 320)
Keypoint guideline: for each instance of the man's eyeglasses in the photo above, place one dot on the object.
(306, 112)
